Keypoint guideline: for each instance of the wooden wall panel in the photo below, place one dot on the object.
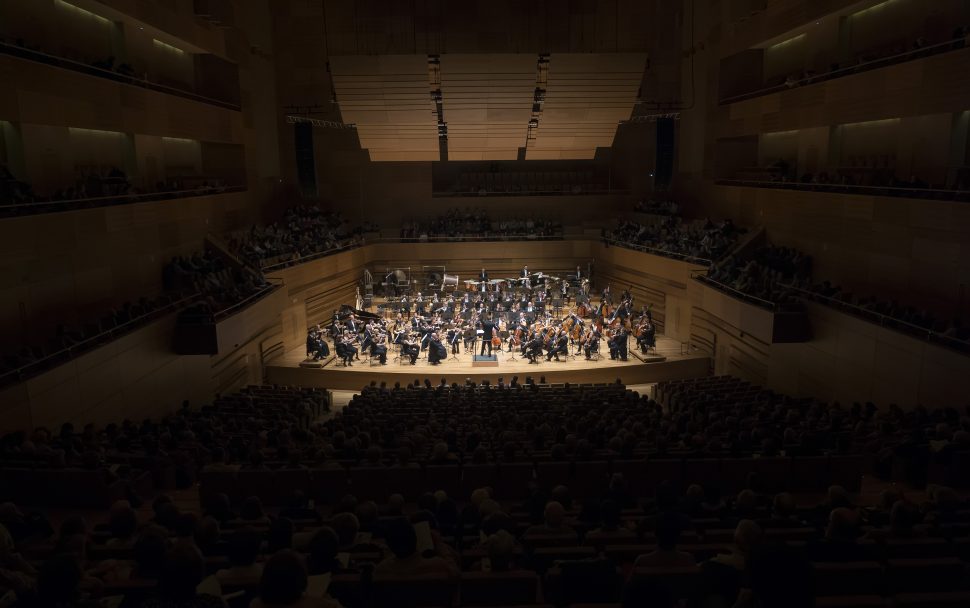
(70, 267)
(39, 94)
(914, 88)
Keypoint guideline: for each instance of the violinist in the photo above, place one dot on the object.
(410, 348)
(378, 347)
(347, 348)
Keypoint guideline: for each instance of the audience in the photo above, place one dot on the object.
(766, 275)
(461, 224)
(657, 206)
(304, 231)
(677, 238)
(706, 418)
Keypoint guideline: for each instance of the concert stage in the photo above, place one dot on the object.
(667, 364)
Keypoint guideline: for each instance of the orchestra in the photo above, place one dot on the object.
(512, 315)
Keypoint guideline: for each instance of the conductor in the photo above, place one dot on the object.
(487, 326)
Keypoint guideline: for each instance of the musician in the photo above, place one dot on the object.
(647, 336)
(347, 348)
(592, 342)
(606, 297)
(454, 337)
(482, 281)
(578, 275)
(436, 350)
(525, 272)
(564, 287)
(617, 344)
(560, 345)
(369, 335)
(533, 348)
(487, 325)
(405, 305)
(410, 348)
(351, 324)
(379, 348)
(316, 345)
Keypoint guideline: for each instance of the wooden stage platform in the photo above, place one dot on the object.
(667, 364)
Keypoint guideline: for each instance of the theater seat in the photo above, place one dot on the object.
(681, 582)
(941, 599)
(920, 575)
(414, 591)
(848, 578)
(499, 588)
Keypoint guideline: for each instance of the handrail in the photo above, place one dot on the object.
(875, 190)
(258, 295)
(488, 193)
(872, 64)
(739, 294)
(104, 201)
(308, 258)
(487, 238)
(656, 251)
(171, 306)
(882, 319)
(77, 66)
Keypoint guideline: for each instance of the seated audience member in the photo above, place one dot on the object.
(610, 523)
(779, 577)
(323, 547)
(748, 536)
(903, 519)
(405, 560)
(285, 584)
(182, 571)
(16, 573)
(783, 513)
(122, 524)
(668, 529)
(841, 539)
(244, 548)
(553, 524)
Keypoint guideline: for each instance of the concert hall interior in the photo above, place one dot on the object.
(373, 303)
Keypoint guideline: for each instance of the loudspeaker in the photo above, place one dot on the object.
(664, 171)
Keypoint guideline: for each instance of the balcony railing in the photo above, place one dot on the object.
(655, 251)
(926, 193)
(882, 320)
(35, 207)
(873, 64)
(56, 358)
(77, 66)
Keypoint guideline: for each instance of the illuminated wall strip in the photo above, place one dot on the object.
(784, 42)
(871, 8)
(82, 11)
(182, 140)
(780, 133)
(167, 47)
(872, 123)
(81, 131)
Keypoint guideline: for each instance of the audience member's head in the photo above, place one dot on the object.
(284, 579)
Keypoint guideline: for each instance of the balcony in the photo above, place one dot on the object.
(29, 54)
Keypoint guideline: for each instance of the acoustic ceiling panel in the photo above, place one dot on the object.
(487, 103)
(587, 96)
(388, 97)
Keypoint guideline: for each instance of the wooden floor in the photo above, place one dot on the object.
(667, 364)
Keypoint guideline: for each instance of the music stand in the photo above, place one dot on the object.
(457, 337)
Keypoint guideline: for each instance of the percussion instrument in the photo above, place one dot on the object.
(471, 285)
(449, 280)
